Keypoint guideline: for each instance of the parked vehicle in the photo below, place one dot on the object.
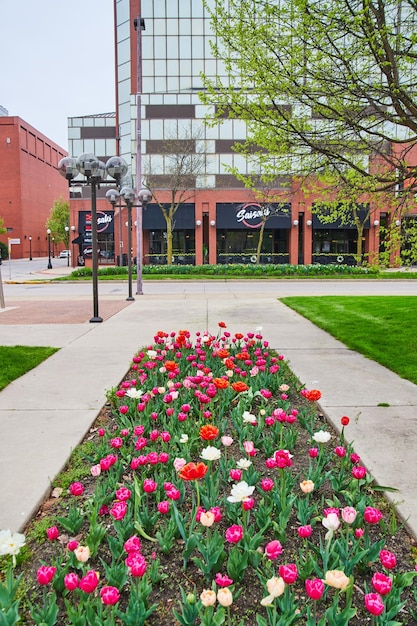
(65, 254)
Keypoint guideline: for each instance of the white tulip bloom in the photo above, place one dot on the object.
(321, 436)
(240, 492)
(10, 543)
(134, 393)
(210, 454)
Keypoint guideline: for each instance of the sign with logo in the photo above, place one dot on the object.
(252, 215)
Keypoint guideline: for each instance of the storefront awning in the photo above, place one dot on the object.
(251, 214)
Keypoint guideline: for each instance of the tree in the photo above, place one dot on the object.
(3, 246)
(57, 221)
(176, 168)
(323, 87)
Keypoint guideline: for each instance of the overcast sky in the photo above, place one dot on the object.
(57, 61)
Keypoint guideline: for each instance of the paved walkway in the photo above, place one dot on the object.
(45, 414)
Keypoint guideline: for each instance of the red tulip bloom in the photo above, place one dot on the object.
(193, 471)
(208, 432)
(239, 386)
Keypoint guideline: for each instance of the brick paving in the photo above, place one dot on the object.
(57, 311)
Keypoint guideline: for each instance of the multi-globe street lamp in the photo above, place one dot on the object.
(96, 172)
(48, 232)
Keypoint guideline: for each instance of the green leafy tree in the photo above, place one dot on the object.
(322, 87)
(183, 161)
(57, 221)
(3, 246)
(327, 93)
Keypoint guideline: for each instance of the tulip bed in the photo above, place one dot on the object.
(216, 494)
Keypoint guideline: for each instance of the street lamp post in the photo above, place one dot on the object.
(72, 247)
(67, 243)
(49, 248)
(30, 248)
(129, 196)
(95, 172)
(144, 197)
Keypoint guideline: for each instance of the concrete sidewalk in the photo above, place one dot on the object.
(45, 414)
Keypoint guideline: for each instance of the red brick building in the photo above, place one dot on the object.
(29, 185)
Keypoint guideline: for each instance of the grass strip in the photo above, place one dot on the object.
(382, 328)
(17, 360)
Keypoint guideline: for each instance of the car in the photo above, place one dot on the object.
(65, 254)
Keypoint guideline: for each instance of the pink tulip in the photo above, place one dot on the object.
(273, 549)
(314, 588)
(89, 582)
(109, 595)
(374, 603)
(371, 515)
(52, 533)
(388, 559)
(288, 573)
(45, 574)
(348, 514)
(76, 489)
(381, 583)
(234, 534)
(118, 510)
(71, 581)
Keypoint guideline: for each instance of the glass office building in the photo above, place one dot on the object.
(158, 80)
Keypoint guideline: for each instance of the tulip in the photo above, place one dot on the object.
(71, 581)
(223, 581)
(163, 507)
(337, 579)
(348, 514)
(109, 595)
(381, 583)
(273, 549)
(132, 544)
(288, 573)
(305, 531)
(234, 533)
(371, 515)
(76, 489)
(45, 574)
(388, 559)
(82, 553)
(240, 492)
(307, 486)
(208, 597)
(374, 603)
(52, 533)
(89, 582)
(224, 596)
(314, 588)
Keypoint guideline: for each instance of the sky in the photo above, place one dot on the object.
(57, 61)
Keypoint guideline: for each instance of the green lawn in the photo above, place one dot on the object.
(17, 360)
(383, 328)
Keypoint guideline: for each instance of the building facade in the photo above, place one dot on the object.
(29, 185)
(158, 69)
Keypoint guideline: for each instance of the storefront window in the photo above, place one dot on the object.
(183, 246)
(334, 246)
(240, 246)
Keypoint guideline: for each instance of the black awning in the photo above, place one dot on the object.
(78, 240)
